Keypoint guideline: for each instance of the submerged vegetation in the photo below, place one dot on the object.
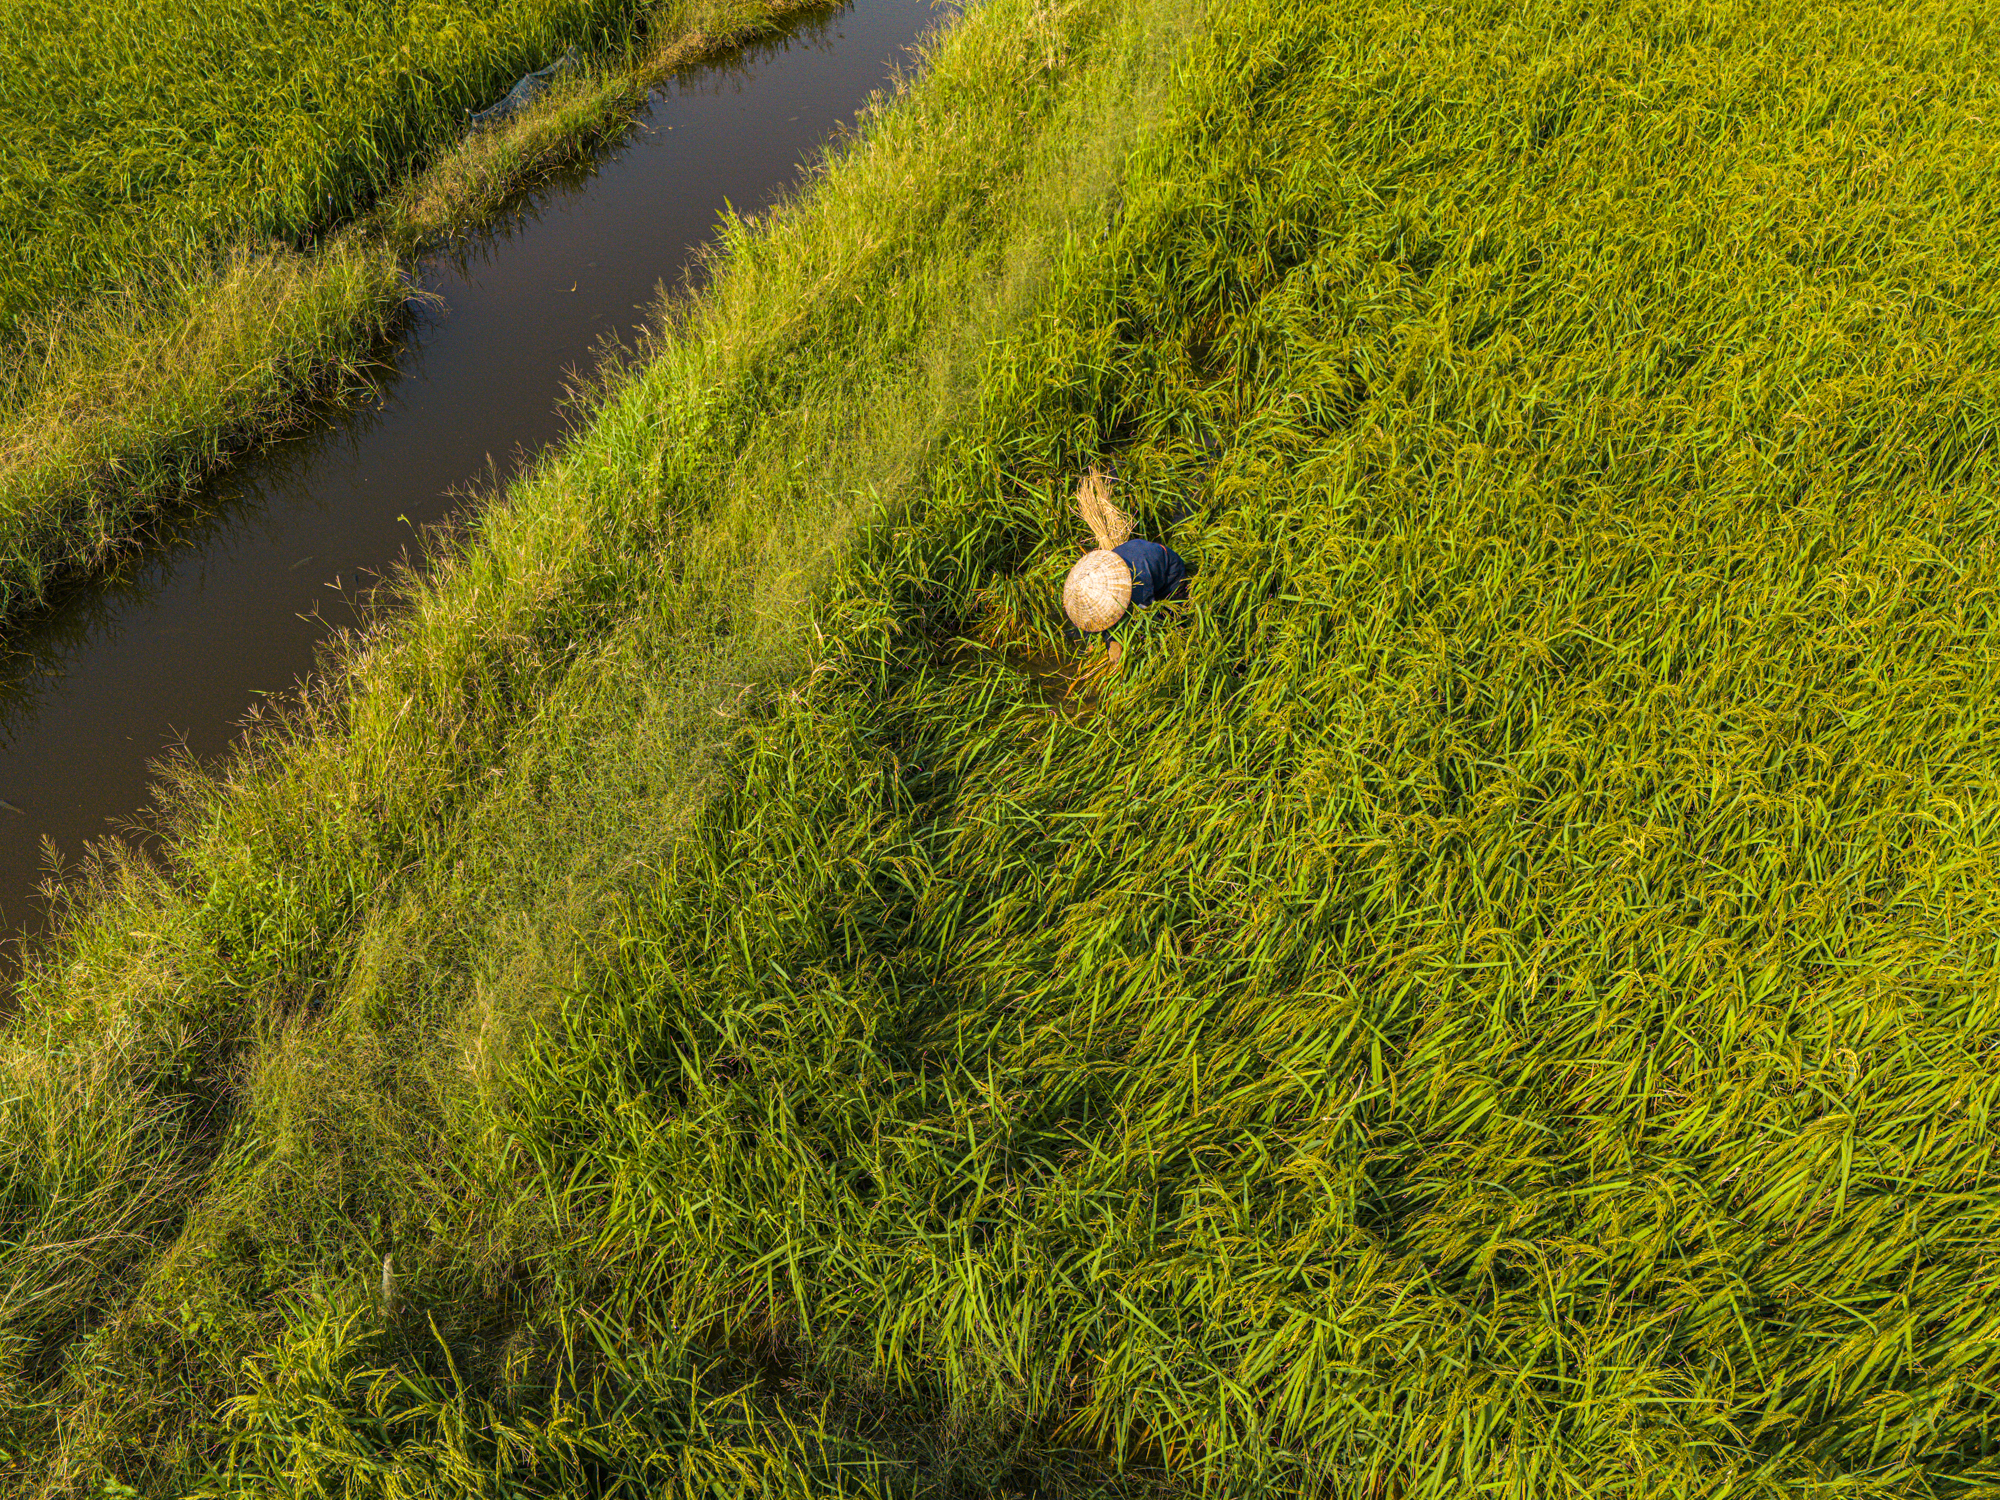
(206, 215)
(1497, 997)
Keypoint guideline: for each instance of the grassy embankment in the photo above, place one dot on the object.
(205, 215)
(1501, 1000)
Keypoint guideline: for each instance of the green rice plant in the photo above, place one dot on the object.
(1496, 997)
(140, 134)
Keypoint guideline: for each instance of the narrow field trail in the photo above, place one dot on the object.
(177, 648)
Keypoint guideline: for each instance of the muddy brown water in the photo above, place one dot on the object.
(174, 650)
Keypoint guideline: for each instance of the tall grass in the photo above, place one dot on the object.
(1497, 997)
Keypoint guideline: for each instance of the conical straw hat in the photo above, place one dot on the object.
(1109, 526)
(1097, 590)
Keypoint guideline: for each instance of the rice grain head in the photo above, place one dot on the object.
(1109, 525)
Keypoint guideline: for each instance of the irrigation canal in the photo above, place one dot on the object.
(177, 647)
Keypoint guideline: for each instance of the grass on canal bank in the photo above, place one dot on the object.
(1498, 997)
(198, 314)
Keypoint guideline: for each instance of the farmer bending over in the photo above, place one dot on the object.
(1123, 570)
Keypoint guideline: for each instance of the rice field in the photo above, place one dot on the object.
(142, 134)
(1496, 996)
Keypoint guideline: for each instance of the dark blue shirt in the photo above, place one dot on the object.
(1157, 572)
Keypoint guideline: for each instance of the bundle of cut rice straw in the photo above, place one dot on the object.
(1109, 525)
